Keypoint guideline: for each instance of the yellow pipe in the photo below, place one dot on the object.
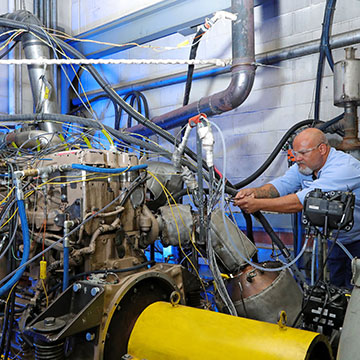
(164, 332)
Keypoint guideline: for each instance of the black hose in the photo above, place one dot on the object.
(325, 126)
(141, 101)
(324, 52)
(249, 232)
(190, 72)
(8, 50)
(272, 156)
(274, 238)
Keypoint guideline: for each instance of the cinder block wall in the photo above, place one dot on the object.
(282, 95)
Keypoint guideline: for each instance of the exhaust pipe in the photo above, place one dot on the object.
(41, 77)
(242, 75)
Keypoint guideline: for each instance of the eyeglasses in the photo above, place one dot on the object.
(303, 152)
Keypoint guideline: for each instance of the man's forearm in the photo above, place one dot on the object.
(267, 191)
(284, 204)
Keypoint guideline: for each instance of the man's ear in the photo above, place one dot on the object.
(322, 148)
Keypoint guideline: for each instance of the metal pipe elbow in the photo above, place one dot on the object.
(234, 95)
(22, 16)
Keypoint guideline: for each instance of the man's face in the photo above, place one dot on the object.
(307, 156)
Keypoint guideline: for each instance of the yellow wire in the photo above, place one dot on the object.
(61, 137)
(7, 196)
(15, 212)
(13, 36)
(7, 300)
(45, 292)
(87, 142)
(167, 193)
(106, 134)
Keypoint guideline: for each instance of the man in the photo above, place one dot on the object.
(318, 166)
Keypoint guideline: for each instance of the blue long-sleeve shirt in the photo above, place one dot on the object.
(341, 171)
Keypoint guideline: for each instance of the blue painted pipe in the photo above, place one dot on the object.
(66, 268)
(26, 240)
(108, 171)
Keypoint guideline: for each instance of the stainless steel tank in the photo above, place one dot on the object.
(347, 79)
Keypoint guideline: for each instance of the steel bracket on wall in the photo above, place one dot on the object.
(159, 20)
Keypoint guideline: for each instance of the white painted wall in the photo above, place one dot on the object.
(281, 95)
(87, 14)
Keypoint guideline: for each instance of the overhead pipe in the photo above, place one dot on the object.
(242, 70)
(41, 77)
(271, 57)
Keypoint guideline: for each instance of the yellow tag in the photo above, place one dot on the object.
(43, 269)
(47, 92)
(38, 145)
(184, 43)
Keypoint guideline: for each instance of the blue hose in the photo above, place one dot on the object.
(106, 170)
(26, 239)
(66, 268)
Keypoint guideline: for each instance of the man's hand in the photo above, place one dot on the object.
(245, 200)
(247, 203)
(245, 193)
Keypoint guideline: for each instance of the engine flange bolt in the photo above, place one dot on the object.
(76, 287)
(94, 291)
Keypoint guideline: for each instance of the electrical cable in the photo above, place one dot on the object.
(6, 321)
(11, 239)
(272, 156)
(11, 324)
